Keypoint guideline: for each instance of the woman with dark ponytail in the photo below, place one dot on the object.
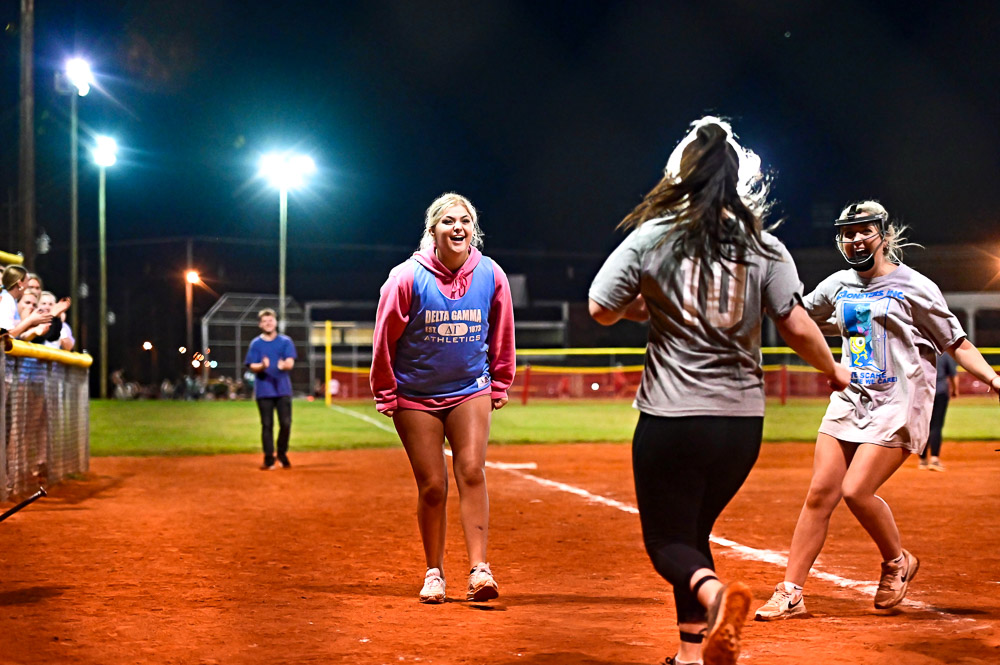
(700, 268)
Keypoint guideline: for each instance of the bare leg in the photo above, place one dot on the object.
(830, 463)
(871, 467)
(468, 430)
(422, 434)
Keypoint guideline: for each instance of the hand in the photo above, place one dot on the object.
(499, 403)
(388, 412)
(841, 378)
(265, 362)
(37, 318)
(61, 306)
(995, 385)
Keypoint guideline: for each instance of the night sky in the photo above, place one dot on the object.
(553, 117)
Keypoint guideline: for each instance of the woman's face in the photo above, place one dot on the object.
(27, 302)
(45, 303)
(453, 232)
(861, 241)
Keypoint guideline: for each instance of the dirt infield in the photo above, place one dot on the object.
(208, 560)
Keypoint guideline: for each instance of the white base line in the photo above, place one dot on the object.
(743, 551)
(361, 416)
(502, 466)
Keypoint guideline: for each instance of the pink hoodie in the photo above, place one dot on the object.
(393, 315)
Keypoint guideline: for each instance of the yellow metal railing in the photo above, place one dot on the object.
(42, 352)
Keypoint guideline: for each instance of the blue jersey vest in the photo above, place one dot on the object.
(442, 352)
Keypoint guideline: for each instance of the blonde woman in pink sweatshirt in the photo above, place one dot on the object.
(443, 360)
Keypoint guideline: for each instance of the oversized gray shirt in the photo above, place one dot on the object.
(893, 328)
(703, 356)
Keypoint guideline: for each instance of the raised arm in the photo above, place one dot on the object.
(968, 356)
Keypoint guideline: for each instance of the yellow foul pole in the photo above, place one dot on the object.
(328, 366)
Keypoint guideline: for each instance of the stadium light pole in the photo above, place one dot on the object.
(75, 80)
(191, 277)
(284, 171)
(105, 154)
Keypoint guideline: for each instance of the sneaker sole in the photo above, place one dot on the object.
(487, 592)
(722, 644)
(914, 564)
(797, 611)
(432, 600)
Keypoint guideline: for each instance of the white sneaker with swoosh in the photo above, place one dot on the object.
(895, 581)
(783, 604)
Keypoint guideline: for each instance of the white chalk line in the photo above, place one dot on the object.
(365, 417)
(501, 466)
(743, 551)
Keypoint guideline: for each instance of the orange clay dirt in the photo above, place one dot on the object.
(208, 560)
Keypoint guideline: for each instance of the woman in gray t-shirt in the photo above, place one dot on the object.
(894, 322)
(700, 268)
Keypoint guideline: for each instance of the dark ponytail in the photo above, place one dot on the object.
(709, 218)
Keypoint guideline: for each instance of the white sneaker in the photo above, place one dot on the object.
(482, 586)
(783, 604)
(895, 580)
(433, 590)
(935, 465)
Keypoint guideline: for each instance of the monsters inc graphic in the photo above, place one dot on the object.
(865, 330)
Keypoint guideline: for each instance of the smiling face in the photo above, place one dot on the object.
(453, 235)
(45, 302)
(27, 303)
(859, 241)
(268, 324)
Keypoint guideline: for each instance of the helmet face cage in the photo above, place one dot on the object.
(855, 216)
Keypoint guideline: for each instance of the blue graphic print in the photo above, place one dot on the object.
(858, 322)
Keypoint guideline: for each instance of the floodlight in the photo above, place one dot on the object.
(105, 151)
(78, 73)
(192, 277)
(286, 171)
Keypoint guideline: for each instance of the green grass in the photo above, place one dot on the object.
(203, 428)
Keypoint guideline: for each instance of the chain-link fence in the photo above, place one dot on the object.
(46, 418)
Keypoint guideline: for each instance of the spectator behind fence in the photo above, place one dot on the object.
(26, 304)
(13, 281)
(33, 284)
(58, 335)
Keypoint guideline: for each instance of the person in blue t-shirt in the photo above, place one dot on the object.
(271, 357)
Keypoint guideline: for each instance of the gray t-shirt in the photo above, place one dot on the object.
(893, 329)
(703, 357)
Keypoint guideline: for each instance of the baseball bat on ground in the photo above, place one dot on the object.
(31, 499)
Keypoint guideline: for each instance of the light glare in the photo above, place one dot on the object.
(79, 74)
(192, 276)
(105, 151)
(147, 346)
(285, 170)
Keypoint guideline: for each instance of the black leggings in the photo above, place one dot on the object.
(267, 407)
(937, 424)
(686, 470)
